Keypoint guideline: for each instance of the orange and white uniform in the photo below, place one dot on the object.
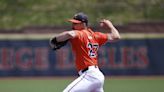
(85, 46)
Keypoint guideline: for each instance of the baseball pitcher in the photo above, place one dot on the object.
(85, 44)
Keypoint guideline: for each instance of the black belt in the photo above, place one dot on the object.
(86, 69)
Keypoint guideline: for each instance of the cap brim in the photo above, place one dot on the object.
(74, 21)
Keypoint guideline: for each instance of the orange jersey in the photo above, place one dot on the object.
(85, 46)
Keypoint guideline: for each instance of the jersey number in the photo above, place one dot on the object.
(93, 48)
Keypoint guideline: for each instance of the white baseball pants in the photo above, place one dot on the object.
(91, 80)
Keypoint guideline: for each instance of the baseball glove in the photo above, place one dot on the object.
(57, 45)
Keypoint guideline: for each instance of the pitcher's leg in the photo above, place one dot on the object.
(98, 86)
(81, 84)
(98, 80)
(99, 90)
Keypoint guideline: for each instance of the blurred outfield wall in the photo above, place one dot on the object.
(29, 54)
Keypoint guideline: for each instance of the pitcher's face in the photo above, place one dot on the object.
(78, 26)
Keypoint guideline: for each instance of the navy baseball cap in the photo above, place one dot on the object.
(79, 18)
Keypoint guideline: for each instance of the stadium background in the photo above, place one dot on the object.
(28, 64)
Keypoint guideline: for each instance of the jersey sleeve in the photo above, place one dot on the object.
(101, 37)
(78, 35)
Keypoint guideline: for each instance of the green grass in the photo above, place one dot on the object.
(16, 14)
(134, 85)
(57, 85)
